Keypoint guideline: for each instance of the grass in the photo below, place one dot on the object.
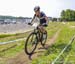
(53, 51)
(13, 36)
(48, 56)
(13, 50)
(5, 35)
(10, 53)
(52, 28)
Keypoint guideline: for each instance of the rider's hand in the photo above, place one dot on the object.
(45, 24)
(29, 24)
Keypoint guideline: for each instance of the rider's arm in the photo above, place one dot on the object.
(33, 19)
(44, 16)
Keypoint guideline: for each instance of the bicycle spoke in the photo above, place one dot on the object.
(31, 43)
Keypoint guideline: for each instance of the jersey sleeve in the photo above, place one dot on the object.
(43, 14)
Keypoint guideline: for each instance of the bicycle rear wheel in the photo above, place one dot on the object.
(43, 38)
(31, 43)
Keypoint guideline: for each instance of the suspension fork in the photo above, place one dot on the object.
(40, 35)
(32, 36)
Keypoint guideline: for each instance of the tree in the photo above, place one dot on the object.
(68, 15)
(63, 15)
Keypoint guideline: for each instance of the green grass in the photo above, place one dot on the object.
(13, 36)
(12, 52)
(5, 35)
(8, 35)
(52, 29)
(48, 56)
(53, 51)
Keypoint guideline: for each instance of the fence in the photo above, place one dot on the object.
(12, 41)
(55, 60)
(3, 43)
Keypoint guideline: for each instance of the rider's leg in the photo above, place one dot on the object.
(42, 29)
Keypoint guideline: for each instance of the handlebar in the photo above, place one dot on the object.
(30, 24)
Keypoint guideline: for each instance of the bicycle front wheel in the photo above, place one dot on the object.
(31, 43)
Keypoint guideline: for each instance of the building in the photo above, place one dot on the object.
(1, 21)
(13, 20)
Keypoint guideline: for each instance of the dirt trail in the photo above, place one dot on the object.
(22, 58)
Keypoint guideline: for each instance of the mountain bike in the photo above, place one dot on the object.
(33, 39)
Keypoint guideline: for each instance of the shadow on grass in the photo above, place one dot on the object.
(39, 51)
(56, 49)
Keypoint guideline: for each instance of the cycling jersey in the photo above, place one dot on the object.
(41, 17)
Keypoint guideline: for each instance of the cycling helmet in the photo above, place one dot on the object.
(36, 8)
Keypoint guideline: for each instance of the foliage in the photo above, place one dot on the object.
(68, 15)
(11, 17)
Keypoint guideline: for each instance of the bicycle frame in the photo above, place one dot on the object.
(36, 36)
(37, 31)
